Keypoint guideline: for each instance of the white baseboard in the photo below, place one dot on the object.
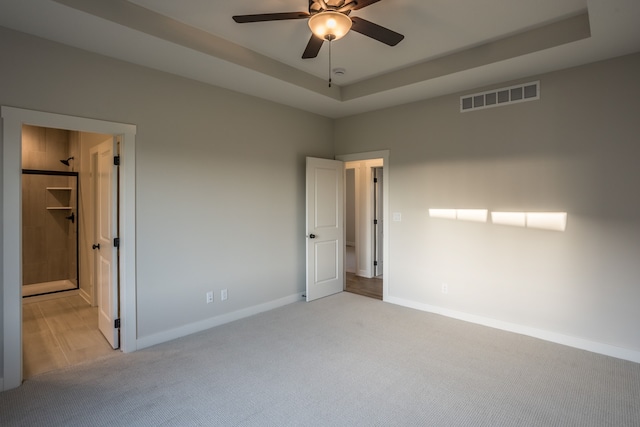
(583, 344)
(202, 325)
(85, 296)
(364, 273)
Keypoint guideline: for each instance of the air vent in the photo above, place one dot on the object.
(498, 97)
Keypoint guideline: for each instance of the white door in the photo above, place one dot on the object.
(325, 227)
(106, 228)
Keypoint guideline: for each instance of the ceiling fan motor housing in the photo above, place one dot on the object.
(321, 11)
(317, 6)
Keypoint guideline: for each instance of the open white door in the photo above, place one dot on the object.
(106, 252)
(325, 227)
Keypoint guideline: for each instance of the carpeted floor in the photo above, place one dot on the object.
(345, 360)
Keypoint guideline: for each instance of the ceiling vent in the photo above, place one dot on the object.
(498, 97)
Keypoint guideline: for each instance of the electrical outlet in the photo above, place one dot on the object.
(209, 297)
(223, 295)
(445, 288)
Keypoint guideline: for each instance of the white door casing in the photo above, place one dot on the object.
(106, 227)
(378, 221)
(13, 119)
(375, 159)
(325, 227)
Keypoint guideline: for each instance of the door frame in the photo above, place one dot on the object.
(384, 155)
(13, 119)
(377, 231)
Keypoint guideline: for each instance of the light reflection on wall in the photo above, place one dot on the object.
(477, 215)
(555, 221)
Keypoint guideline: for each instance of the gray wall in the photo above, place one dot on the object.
(219, 175)
(220, 194)
(575, 150)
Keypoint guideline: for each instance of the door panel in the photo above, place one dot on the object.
(325, 227)
(106, 253)
(327, 264)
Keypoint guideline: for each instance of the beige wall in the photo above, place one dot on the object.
(575, 150)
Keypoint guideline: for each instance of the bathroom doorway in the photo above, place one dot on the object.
(12, 307)
(60, 321)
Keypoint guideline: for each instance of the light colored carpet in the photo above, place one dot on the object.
(345, 360)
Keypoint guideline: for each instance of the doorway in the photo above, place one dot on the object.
(365, 209)
(13, 120)
(59, 216)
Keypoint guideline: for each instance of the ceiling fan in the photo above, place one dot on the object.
(330, 20)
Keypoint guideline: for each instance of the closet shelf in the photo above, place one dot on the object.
(59, 188)
(57, 208)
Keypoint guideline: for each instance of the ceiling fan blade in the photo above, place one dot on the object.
(364, 3)
(313, 47)
(262, 17)
(376, 32)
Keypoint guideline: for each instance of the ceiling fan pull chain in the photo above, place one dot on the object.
(329, 62)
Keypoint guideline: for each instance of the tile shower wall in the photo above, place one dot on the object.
(49, 238)
(42, 148)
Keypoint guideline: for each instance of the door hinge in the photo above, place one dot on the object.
(116, 160)
(375, 180)
(116, 323)
(375, 263)
(116, 242)
(375, 222)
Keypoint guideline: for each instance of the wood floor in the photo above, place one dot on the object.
(60, 332)
(362, 286)
(47, 287)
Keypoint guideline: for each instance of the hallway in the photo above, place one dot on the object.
(360, 285)
(60, 332)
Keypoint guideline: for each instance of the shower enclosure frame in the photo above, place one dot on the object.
(75, 220)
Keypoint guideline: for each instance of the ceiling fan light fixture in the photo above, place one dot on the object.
(330, 25)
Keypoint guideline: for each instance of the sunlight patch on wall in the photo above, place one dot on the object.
(476, 215)
(516, 219)
(555, 221)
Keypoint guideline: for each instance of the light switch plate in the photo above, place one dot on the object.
(397, 216)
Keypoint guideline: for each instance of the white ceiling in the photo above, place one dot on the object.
(449, 46)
